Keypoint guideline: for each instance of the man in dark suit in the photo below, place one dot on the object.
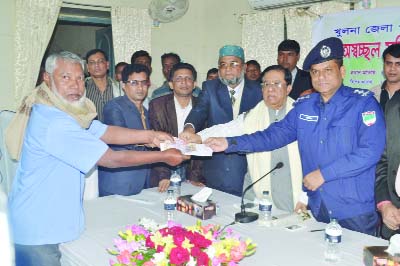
(220, 101)
(288, 56)
(127, 111)
(386, 193)
(168, 113)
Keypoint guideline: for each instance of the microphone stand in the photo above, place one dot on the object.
(248, 217)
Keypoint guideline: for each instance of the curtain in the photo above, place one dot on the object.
(261, 34)
(300, 21)
(264, 30)
(35, 22)
(131, 29)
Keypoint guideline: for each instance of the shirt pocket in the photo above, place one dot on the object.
(342, 136)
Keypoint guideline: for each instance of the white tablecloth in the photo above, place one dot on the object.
(276, 246)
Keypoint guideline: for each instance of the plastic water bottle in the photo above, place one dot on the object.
(175, 184)
(333, 238)
(265, 207)
(170, 206)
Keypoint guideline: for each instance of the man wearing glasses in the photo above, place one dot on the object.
(221, 101)
(341, 136)
(168, 113)
(99, 87)
(127, 111)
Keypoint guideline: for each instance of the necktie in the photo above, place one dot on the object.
(233, 99)
(143, 117)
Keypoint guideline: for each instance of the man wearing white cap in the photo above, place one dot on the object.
(220, 101)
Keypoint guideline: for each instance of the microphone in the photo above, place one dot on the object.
(248, 217)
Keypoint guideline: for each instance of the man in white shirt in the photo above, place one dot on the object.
(168, 113)
(286, 183)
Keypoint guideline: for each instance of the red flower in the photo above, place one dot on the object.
(200, 241)
(202, 259)
(164, 231)
(176, 230)
(195, 251)
(160, 248)
(178, 239)
(149, 243)
(179, 255)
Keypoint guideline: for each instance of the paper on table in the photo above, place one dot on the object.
(202, 195)
(394, 245)
(187, 148)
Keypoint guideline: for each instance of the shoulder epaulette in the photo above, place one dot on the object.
(362, 92)
(302, 99)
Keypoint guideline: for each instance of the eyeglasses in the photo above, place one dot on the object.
(98, 62)
(185, 79)
(137, 83)
(230, 65)
(275, 85)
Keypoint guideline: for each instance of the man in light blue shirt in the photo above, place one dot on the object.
(61, 143)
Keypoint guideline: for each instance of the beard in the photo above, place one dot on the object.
(234, 81)
(74, 106)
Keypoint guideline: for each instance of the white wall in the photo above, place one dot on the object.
(196, 37)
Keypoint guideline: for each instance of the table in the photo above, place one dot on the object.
(275, 245)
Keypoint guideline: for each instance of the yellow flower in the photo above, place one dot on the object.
(128, 235)
(186, 244)
(169, 244)
(158, 239)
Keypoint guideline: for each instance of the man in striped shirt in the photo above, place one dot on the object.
(99, 87)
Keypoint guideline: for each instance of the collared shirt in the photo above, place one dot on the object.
(99, 98)
(45, 202)
(238, 97)
(281, 181)
(343, 137)
(294, 73)
(181, 113)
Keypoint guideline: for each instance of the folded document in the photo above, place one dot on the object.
(187, 148)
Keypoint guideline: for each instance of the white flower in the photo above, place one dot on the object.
(149, 224)
(159, 257)
(191, 262)
(210, 252)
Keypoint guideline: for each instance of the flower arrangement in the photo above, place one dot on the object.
(148, 244)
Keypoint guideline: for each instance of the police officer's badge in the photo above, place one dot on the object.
(369, 118)
(325, 51)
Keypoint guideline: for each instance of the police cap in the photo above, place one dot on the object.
(325, 50)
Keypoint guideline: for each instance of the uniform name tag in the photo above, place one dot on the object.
(309, 118)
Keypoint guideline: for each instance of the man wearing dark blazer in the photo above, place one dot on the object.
(387, 195)
(127, 111)
(288, 56)
(220, 101)
(168, 113)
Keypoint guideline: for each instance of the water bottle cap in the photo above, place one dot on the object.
(170, 191)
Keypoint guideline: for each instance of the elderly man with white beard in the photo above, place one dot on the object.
(58, 142)
(285, 184)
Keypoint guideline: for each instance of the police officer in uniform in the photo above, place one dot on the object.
(341, 136)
